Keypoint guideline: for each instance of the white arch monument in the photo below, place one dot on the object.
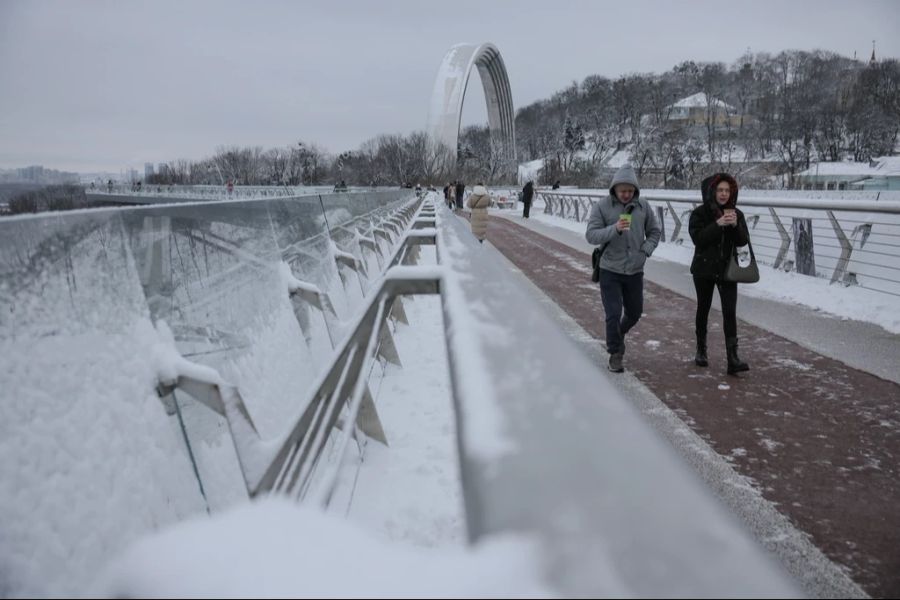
(445, 111)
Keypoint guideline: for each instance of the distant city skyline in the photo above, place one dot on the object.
(95, 85)
(36, 174)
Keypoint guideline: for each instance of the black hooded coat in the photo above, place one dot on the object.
(713, 245)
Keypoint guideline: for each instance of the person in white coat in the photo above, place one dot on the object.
(479, 201)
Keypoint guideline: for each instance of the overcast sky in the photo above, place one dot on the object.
(91, 85)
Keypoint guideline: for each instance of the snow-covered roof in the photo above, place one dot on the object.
(698, 100)
(838, 169)
(883, 166)
(888, 165)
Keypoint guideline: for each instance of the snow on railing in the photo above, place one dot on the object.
(195, 296)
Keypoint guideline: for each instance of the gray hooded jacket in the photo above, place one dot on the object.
(625, 252)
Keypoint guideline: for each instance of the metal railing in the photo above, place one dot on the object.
(290, 468)
(131, 194)
(853, 242)
(226, 285)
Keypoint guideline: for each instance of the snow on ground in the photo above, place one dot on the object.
(844, 302)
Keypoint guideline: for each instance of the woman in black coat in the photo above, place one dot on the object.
(716, 228)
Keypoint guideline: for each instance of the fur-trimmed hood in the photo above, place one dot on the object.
(708, 190)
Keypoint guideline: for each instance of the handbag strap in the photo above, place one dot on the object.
(749, 243)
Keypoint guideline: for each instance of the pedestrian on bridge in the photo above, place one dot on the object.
(449, 191)
(624, 226)
(527, 198)
(479, 201)
(717, 227)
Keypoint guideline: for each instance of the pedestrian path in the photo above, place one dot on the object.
(818, 438)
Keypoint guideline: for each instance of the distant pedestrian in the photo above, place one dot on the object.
(527, 197)
(479, 201)
(460, 191)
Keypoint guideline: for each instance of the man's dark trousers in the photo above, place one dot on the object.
(620, 291)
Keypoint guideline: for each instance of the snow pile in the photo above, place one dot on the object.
(274, 548)
(90, 459)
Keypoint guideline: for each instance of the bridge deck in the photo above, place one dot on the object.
(816, 437)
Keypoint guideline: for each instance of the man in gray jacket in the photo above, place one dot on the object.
(624, 226)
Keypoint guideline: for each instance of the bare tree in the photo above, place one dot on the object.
(630, 102)
(394, 156)
(275, 161)
(313, 163)
(874, 122)
(435, 158)
(573, 142)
